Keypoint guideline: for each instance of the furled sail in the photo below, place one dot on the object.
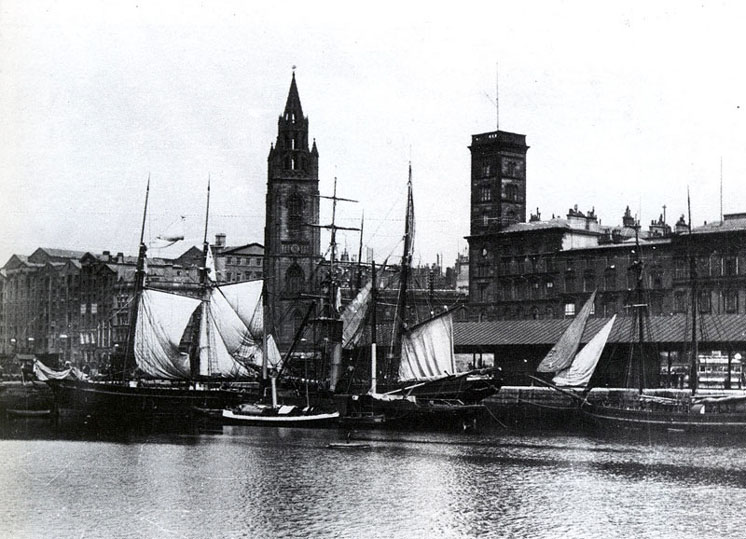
(44, 373)
(580, 372)
(161, 321)
(562, 353)
(427, 350)
(354, 315)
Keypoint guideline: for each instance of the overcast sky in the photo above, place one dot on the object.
(622, 105)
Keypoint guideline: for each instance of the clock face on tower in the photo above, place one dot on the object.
(295, 249)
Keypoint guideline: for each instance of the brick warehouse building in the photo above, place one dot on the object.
(525, 277)
(548, 268)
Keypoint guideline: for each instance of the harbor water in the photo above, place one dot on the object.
(255, 482)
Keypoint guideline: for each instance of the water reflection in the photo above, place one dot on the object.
(258, 482)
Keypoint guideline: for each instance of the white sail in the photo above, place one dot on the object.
(354, 315)
(427, 351)
(226, 344)
(161, 321)
(246, 301)
(562, 353)
(579, 373)
(274, 359)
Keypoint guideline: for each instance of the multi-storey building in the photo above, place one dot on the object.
(237, 263)
(75, 306)
(548, 268)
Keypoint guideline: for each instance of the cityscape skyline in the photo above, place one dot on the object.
(629, 110)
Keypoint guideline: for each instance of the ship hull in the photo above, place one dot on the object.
(467, 388)
(365, 411)
(611, 418)
(115, 404)
(316, 420)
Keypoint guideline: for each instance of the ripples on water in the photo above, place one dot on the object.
(258, 482)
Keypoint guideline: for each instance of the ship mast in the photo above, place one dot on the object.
(196, 367)
(330, 319)
(639, 306)
(129, 362)
(406, 261)
(373, 329)
(694, 370)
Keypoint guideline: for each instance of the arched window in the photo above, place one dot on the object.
(295, 212)
(294, 280)
(296, 321)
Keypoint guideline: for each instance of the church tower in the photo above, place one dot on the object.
(292, 248)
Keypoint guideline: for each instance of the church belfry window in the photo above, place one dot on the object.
(295, 212)
(294, 280)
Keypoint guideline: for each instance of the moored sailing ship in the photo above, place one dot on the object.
(160, 379)
(420, 386)
(675, 410)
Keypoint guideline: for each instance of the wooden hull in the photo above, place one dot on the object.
(272, 420)
(616, 418)
(467, 389)
(117, 404)
(417, 414)
(534, 408)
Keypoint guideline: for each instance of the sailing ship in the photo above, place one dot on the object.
(570, 368)
(677, 410)
(564, 375)
(162, 380)
(421, 388)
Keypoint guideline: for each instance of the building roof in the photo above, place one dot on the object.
(561, 224)
(257, 249)
(59, 253)
(731, 223)
(660, 329)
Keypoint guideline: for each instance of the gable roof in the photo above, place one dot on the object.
(248, 249)
(44, 254)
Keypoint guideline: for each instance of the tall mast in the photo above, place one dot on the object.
(129, 353)
(333, 244)
(332, 280)
(406, 262)
(359, 282)
(639, 306)
(373, 323)
(196, 367)
(331, 322)
(694, 370)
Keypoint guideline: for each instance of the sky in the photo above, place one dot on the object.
(623, 104)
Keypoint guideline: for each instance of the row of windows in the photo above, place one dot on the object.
(242, 261)
(241, 276)
(296, 163)
(728, 301)
(511, 193)
(710, 266)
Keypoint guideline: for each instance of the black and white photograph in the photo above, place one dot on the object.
(372, 270)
